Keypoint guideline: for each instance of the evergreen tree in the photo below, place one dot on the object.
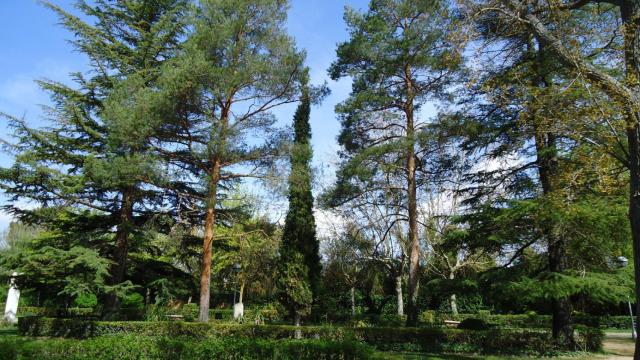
(95, 155)
(216, 101)
(399, 57)
(527, 108)
(299, 233)
(547, 21)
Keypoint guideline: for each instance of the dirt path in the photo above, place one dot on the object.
(619, 346)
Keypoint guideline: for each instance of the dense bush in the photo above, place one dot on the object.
(138, 347)
(508, 341)
(190, 312)
(473, 324)
(88, 300)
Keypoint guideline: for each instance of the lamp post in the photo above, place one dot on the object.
(238, 309)
(622, 262)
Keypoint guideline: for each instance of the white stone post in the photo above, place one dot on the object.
(11, 307)
(238, 310)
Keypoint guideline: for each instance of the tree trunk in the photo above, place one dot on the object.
(452, 299)
(414, 252)
(547, 163)
(561, 308)
(562, 328)
(630, 13)
(296, 322)
(353, 301)
(121, 248)
(400, 302)
(241, 292)
(209, 231)
(633, 137)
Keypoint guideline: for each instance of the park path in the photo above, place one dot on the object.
(619, 346)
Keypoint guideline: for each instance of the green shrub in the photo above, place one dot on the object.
(88, 300)
(590, 338)
(427, 317)
(507, 341)
(133, 301)
(473, 324)
(148, 347)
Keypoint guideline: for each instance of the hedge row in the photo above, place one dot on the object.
(157, 313)
(495, 341)
(530, 321)
(429, 318)
(127, 347)
(190, 312)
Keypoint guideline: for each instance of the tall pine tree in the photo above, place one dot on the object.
(216, 100)
(400, 57)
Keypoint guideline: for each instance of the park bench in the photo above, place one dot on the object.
(175, 317)
(451, 323)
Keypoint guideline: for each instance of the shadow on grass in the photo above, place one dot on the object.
(421, 356)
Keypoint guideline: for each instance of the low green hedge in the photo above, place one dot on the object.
(57, 312)
(124, 347)
(507, 341)
(190, 313)
(154, 313)
(531, 321)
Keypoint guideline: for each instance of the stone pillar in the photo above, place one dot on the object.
(11, 307)
(238, 310)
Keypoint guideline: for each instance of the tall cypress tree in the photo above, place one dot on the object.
(300, 225)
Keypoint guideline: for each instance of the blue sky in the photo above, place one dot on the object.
(34, 46)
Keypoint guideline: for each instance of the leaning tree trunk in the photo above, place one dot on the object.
(414, 253)
(399, 301)
(121, 248)
(209, 231)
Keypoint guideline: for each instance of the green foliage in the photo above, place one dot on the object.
(93, 162)
(299, 233)
(494, 341)
(293, 283)
(144, 347)
(87, 300)
(133, 301)
(59, 272)
(473, 324)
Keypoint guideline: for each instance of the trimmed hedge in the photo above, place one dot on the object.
(495, 341)
(155, 313)
(531, 321)
(127, 347)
